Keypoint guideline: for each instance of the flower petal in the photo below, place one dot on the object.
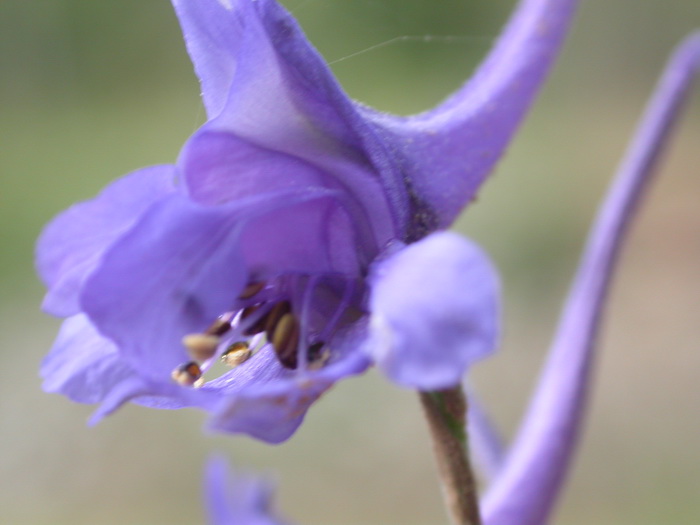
(282, 97)
(219, 168)
(240, 499)
(82, 364)
(272, 406)
(87, 368)
(182, 266)
(147, 293)
(213, 36)
(434, 311)
(476, 123)
(71, 245)
(525, 491)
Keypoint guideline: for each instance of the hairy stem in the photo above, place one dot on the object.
(446, 412)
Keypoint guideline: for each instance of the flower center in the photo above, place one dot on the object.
(298, 316)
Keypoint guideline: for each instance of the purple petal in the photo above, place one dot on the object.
(220, 166)
(82, 364)
(283, 98)
(239, 499)
(476, 123)
(71, 245)
(434, 311)
(271, 406)
(527, 488)
(183, 265)
(148, 291)
(213, 35)
(87, 368)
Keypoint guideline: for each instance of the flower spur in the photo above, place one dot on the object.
(297, 235)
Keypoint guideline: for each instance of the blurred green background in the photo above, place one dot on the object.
(92, 90)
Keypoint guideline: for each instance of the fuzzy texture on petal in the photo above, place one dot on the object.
(72, 244)
(447, 152)
(434, 311)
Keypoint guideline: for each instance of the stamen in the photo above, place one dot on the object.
(275, 315)
(187, 374)
(220, 326)
(285, 339)
(302, 350)
(252, 289)
(201, 346)
(236, 354)
(345, 302)
(257, 326)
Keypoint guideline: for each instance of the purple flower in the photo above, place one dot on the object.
(298, 237)
(526, 479)
(237, 499)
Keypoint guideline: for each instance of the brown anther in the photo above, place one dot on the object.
(285, 340)
(187, 374)
(258, 326)
(252, 289)
(200, 346)
(236, 354)
(273, 317)
(219, 327)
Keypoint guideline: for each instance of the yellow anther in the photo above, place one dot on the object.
(285, 340)
(252, 289)
(201, 346)
(236, 354)
(187, 374)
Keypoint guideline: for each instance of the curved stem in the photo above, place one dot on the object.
(446, 412)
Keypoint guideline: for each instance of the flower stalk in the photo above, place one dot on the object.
(446, 411)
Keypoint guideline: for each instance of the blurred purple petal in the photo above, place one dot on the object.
(535, 471)
(237, 499)
(434, 311)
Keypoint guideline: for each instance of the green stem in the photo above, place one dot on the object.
(446, 412)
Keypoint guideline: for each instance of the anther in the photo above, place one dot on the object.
(236, 354)
(275, 315)
(252, 289)
(187, 374)
(201, 346)
(285, 340)
(258, 326)
(219, 327)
